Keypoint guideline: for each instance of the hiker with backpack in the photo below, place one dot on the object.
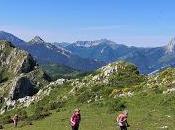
(122, 120)
(75, 119)
(15, 120)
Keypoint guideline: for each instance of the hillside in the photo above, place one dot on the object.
(57, 71)
(101, 95)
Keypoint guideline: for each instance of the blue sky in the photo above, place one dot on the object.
(130, 22)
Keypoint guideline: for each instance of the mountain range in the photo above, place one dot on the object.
(147, 59)
(90, 55)
(45, 53)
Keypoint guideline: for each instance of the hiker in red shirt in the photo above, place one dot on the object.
(75, 119)
(122, 120)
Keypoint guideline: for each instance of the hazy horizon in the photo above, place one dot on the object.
(133, 23)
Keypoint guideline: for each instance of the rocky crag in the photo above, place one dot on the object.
(20, 76)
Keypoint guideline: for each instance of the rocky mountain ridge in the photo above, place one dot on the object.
(20, 74)
(91, 55)
(37, 39)
(45, 53)
(147, 59)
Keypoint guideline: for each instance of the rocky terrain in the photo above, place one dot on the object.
(119, 79)
(20, 75)
(23, 82)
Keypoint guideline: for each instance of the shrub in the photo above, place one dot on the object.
(55, 105)
(58, 110)
(126, 76)
(39, 113)
(157, 89)
(168, 100)
(116, 105)
(85, 96)
(22, 114)
(99, 104)
(6, 119)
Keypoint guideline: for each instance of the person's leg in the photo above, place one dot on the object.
(76, 128)
(125, 128)
(73, 127)
(14, 123)
(121, 127)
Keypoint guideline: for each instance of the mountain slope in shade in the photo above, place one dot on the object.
(57, 71)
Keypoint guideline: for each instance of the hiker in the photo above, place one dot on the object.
(122, 120)
(15, 120)
(75, 119)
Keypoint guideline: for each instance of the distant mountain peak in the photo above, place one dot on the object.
(170, 48)
(37, 39)
(105, 40)
(93, 43)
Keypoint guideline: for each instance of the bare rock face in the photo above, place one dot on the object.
(22, 87)
(14, 60)
(20, 76)
(28, 64)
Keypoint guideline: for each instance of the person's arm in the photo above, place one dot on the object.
(127, 123)
(117, 119)
(72, 120)
(80, 118)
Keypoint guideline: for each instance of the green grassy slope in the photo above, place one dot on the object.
(59, 71)
(149, 108)
(145, 113)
